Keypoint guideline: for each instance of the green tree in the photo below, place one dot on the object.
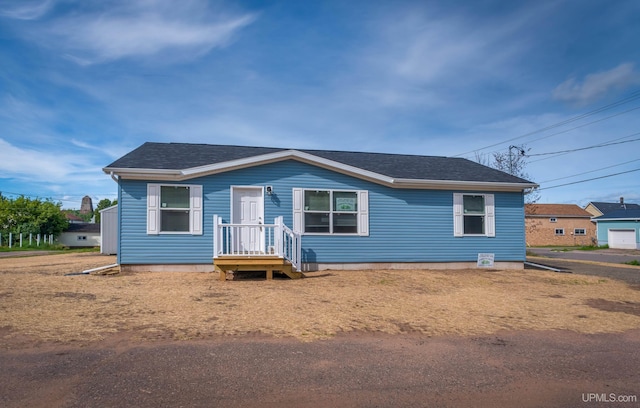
(104, 203)
(31, 216)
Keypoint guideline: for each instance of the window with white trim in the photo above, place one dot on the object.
(553, 219)
(174, 209)
(559, 231)
(333, 212)
(473, 214)
(579, 231)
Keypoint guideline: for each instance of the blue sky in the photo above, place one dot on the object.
(83, 82)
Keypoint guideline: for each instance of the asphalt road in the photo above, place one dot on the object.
(523, 369)
(613, 256)
(608, 263)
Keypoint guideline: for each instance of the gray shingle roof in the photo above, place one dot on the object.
(83, 227)
(180, 156)
(621, 214)
(606, 208)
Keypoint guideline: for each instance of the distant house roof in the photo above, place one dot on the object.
(182, 161)
(628, 214)
(555, 210)
(72, 217)
(605, 208)
(83, 227)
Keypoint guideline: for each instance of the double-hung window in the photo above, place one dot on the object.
(174, 209)
(473, 214)
(331, 211)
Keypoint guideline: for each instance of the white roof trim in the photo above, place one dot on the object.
(615, 219)
(193, 172)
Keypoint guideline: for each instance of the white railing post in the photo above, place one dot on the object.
(216, 237)
(278, 237)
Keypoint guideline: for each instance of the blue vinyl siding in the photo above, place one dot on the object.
(405, 225)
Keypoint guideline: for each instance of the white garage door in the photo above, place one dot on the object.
(622, 238)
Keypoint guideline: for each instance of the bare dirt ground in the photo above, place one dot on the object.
(356, 338)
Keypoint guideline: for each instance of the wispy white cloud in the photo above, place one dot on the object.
(24, 9)
(594, 86)
(141, 30)
(417, 52)
(33, 164)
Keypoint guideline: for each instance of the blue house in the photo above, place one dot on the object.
(619, 228)
(198, 207)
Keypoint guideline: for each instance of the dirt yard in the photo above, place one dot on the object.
(38, 303)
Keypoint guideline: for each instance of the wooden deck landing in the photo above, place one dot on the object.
(270, 264)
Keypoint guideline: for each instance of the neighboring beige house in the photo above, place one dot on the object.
(558, 224)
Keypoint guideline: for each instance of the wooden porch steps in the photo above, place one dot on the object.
(270, 264)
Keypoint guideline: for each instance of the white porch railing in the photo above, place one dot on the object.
(257, 239)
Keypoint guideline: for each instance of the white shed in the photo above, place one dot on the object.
(109, 230)
(80, 235)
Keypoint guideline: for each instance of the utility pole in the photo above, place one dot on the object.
(520, 151)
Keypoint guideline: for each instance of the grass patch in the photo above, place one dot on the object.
(635, 262)
(581, 248)
(592, 248)
(47, 247)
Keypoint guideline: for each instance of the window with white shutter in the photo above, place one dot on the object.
(473, 214)
(174, 209)
(332, 212)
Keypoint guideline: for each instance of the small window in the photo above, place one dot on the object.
(559, 231)
(82, 237)
(473, 209)
(579, 231)
(473, 215)
(174, 209)
(553, 220)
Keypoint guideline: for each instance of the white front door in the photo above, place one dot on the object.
(248, 209)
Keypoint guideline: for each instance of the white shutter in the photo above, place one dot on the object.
(195, 215)
(153, 209)
(458, 221)
(297, 210)
(363, 213)
(490, 215)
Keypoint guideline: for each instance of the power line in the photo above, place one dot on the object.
(562, 154)
(578, 127)
(591, 171)
(588, 147)
(591, 179)
(634, 95)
